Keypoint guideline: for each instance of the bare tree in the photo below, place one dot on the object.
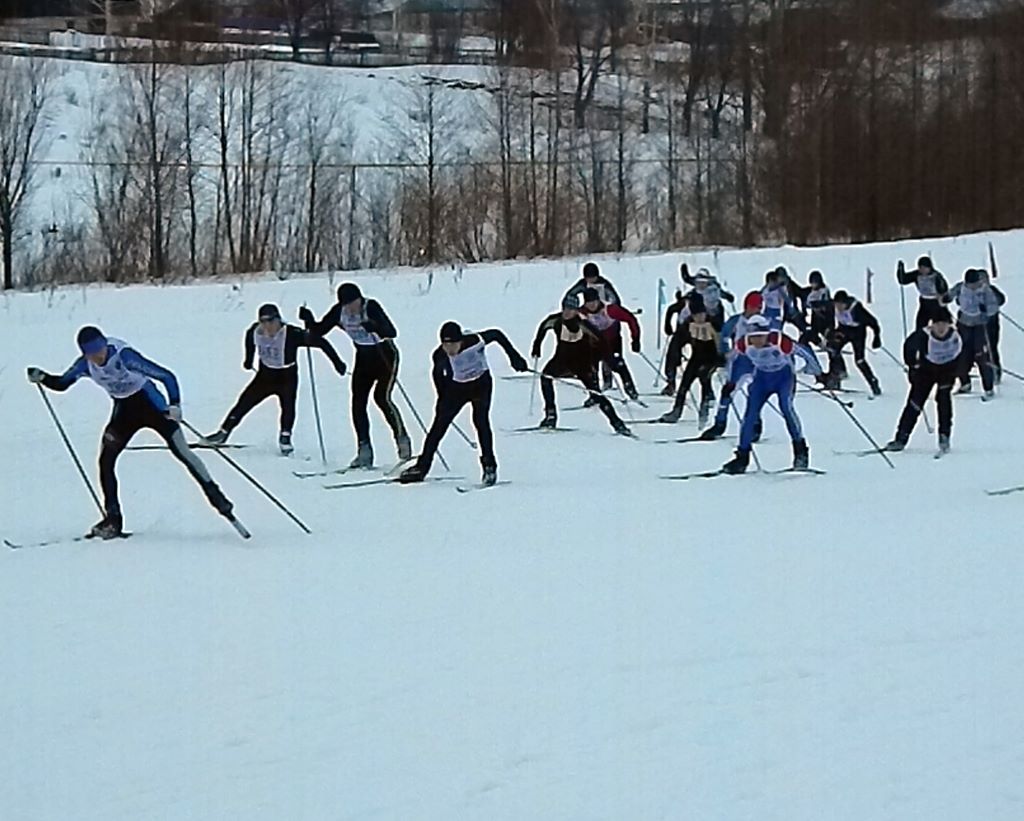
(24, 96)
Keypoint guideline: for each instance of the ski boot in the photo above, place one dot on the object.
(876, 389)
(217, 499)
(989, 395)
(703, 413)
(550, 420)
(490, 475)
(404, 447)
(965, 387)
(669, 389)
(621, 428)
(411, 475)
(284, 442)
(364, 456)
(801, 455)
(631, 392)
(109, 527)
(715, 431)
(738, 464)
(590, 401)
(219, 437)
(943, 443)
(672, 416)
(896, 445)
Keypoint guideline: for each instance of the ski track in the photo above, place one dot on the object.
(588, 642)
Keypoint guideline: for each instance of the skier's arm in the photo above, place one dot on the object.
(576, 289)
(868, 319)
(728, 296)
(1000, 296)
(811, 364)
(548, 324)
(912, 349)
(728, 329)
(441, 371)
(951, 295)
(514, 357)
(134, 361)
(613, 295)
(378, 322)
(905, 277)
(621, 314)
(320, 328)
(684, 273)
(78, 369)
(250, 347)
(941, 286)
(306, 339)
(670, 312)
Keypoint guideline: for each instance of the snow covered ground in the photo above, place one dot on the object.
(587, 642)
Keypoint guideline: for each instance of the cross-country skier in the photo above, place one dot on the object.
(818, 301)
(462, 377)
(779, 305)
(737, 367)
(852, 323)
(592, 278)
(276, 346)
(977, 302)
(931, 288)
(710, 290)
(698, 332)
(607, 321)
(994, 329)
(127, 377)
(576, 355)
(771, 353)
(376, 367)
(932, 356)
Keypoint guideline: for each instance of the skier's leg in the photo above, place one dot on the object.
(258, 389)
(944, 401)
(757, 395)
(287, 391)
(363, 377)
(859, 341)
(920, 387)
(482, 421)
(123, 425)
(448, 408)
(784, 390)
(382, 393)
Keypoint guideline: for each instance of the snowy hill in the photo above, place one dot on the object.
(587, 642)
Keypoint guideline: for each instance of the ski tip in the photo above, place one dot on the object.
(240, 528)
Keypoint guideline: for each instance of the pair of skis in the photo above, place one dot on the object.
(711, 474)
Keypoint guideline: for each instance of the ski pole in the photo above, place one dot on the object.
(1011, 320)
(1016, 376)
(823, 393)
(739, 419)
(316, 406)
(533, 385)
(903, 309)
(253, 481)
(71, 449)
(846, 409)
(658, 375)
(419, 419)
(584, 388)
(657, 371)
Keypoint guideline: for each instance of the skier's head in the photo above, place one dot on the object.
(350, 297)
(451, 338)
(842, 299)
(973, 278)
(591, 298)
(758, 330)
(269, 317)
(702, 279)
(753, 303)
(924, 265)
(93, 344)
(697, 308)
(591, 273)
(816, 279)
(570, 305)
(781, 274)
(942, 321)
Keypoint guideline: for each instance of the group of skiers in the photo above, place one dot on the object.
(752, 347)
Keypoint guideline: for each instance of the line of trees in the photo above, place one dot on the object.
(758, 129)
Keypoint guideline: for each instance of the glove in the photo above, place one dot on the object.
(247, 366)
(341, 368)
(35, 375)
(306, 315)
(535, 353)
(174, 413)
(518, 363)
(684, 269)
(876, 343)
(900, 269)
(635, 347)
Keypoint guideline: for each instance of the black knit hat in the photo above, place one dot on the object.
(942, 314)
(591, 270)
(925, 262)
(696, 302)
(451, 332)
(570, 302)
(591, 295)
(268, 311)
(348, 292)
(843, 297)
(972, 275)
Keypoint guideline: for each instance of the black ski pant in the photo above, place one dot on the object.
(922, 380)
(697, 370)
(926, 312)
(856, 336)
(128, 417)
(375, 371)
(818, 331)
(674, 356)
(455, 397)
(994, 332)
(613, 360)
(976, 351)
(280, 382)
(579, 364)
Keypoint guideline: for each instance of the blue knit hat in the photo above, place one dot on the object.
(91, 340)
